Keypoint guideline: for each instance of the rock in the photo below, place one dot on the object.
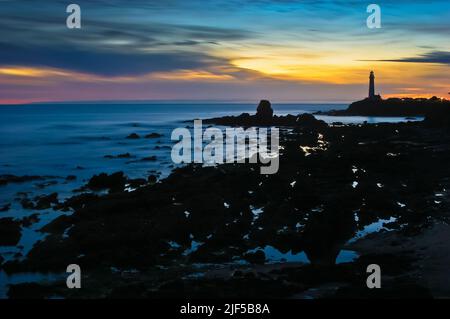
(6, 179)
(114, 182)
(264, 111)
(58, 226)
(257, 257)
(46, 201)
(154, 135)
(29, 220)
(137, 182)
(308, 120)
(10, 232)
(407, 107)
(149, 159)
(399, 291)
(78, 201)
(28, 291)
(46, 184)
(152, 179)
(133, 136)
(5, 208)
(71, 178)
(438, 118)
(125, 155)
(27, 203)
(216, 214)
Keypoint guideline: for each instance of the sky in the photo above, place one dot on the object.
(222, 50)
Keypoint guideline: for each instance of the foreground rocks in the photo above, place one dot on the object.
(203, 231)
(10, 232)
(247, 120)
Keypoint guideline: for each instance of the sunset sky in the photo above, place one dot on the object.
(223, 50)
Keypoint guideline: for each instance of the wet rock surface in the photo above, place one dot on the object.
(125, 155)
(153, 135)
(6, 179)
(201, 232)
(5, 208)
(113, 182)
(9, 232)
(133, 136)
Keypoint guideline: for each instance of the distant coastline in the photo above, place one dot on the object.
(392, 107)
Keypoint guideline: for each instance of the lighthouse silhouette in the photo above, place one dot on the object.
(372, 86)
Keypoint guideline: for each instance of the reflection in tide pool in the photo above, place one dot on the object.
(273, 255)
(372, 228)
(20, 278)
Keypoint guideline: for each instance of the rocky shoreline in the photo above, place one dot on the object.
(203, 231)
(394, 107)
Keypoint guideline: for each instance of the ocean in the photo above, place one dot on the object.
(81, 140)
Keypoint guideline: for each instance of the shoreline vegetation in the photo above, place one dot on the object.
(380, 191)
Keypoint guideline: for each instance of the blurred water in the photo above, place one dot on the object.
(57, 140)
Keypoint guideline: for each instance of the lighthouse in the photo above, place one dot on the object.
(372, 86)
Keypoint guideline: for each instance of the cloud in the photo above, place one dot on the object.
(437, 57)
(104, 63)
(116, 39)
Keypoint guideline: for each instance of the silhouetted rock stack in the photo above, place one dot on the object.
(264, 111)
(264, 117)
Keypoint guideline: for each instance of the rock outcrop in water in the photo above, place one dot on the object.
(264, 117)
(264, 111)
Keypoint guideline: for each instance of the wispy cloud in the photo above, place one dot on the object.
(439, 57)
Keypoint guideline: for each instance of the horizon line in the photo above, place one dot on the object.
(180, 101)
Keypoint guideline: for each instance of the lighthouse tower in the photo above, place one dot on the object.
(372, 86)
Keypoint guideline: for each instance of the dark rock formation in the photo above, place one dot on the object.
(5, 208)
(29, 220)
(45, 201)
(149, 159)
(265, 117)
(264, 111)
(152, 179)
(125, 155)
(392, 107)
(29, 291)
(114, 182)
(27, 203)
(6, 179)
(438, 118)
(153, 135)
(257, 257)
(10, 232)
(133, 136)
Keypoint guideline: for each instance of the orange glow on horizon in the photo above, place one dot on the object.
(413, 96)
